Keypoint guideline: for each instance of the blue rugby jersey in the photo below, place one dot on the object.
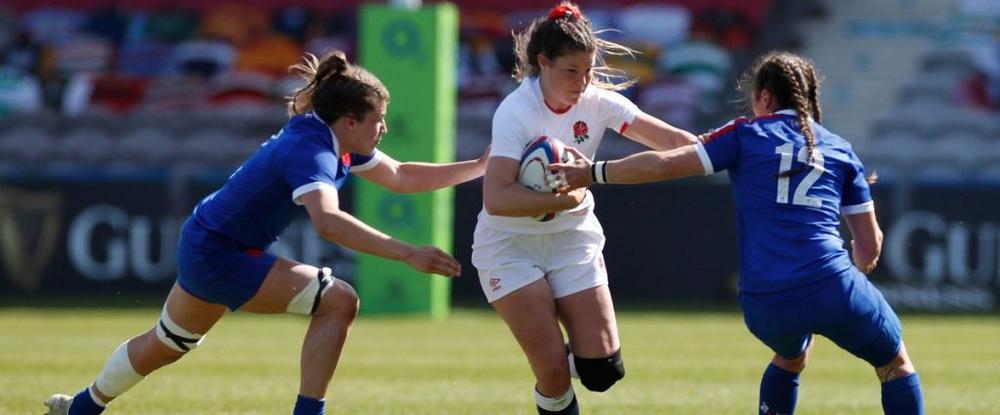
(261, 198)
(788, 226)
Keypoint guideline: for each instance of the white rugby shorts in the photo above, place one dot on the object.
(570, 260)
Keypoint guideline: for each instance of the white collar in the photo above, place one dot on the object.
(333, 137)
(792, 113)
(536, 89)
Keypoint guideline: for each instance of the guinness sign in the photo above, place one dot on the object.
(29, 231)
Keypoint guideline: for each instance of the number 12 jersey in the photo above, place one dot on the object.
(788, 223)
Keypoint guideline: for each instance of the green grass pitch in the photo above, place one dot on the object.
(678, 362)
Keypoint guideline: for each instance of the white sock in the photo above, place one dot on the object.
(117, 376)
(554, 404)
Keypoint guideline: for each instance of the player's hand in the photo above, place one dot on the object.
(576, 174)
(866, 267)
(432, 260)
(578, 195)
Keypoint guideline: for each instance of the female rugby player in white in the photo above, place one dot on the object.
(336, 121)
(536, 274)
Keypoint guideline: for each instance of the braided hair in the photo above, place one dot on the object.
(793, 82)
(786, 78)
(335, 88)
(565, 30)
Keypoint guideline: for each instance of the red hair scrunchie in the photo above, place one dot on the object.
(564, 11)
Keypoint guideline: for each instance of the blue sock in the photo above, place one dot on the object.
(308, 406)
(779, 389)
(83, 404)
(903, 396)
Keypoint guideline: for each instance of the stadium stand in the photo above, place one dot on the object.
(155, 85)
(910, 84)
(914, 83)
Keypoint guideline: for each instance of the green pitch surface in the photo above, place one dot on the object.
(677, 363)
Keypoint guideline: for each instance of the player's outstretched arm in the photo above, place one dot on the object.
(644, 167)
(867, 242)
(657, 134)
(337, 226)
(413, 177)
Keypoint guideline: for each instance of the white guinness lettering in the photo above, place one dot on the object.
(129, 247)
(966, 254)
(105, 243)
(956, 268)
(140, 249)
(81, 234)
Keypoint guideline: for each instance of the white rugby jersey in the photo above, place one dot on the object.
(523, 116)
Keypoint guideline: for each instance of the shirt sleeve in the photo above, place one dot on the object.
(509, 136)
(857, 196)
(359, 162)
(619, 111)
(309, 166)
(719, 149)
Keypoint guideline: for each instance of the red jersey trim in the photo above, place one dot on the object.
(624, 127)
(560, 112)
(726, 129)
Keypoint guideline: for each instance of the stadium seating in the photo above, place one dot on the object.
(907, 84)
(170, 85)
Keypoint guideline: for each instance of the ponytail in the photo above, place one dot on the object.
(334, 88)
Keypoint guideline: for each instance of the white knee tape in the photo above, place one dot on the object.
(118, 375)
(174, 336)
(307, 301)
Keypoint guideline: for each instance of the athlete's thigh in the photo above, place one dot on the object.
(192, 313)
(530, 313)
(868, 327)
(781, 321)
(506, 261)
(589, 317)
(284, 281)
(574, 262)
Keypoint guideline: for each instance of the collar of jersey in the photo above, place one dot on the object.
(333, 137)
(792, 113)
(536, 87)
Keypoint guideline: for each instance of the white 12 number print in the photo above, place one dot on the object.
(800, 198)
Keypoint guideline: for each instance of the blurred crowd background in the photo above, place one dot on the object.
(133, 87)
(113, 105)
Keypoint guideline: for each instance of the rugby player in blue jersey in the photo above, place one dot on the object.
(337, 120)
(791, 179)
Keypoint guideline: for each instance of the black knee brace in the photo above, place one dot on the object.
(599, 374)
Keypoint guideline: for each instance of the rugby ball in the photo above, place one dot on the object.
(534, 173)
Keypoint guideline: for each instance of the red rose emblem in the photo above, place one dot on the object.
(580, 132)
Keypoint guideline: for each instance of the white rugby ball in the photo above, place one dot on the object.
(534, 173)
